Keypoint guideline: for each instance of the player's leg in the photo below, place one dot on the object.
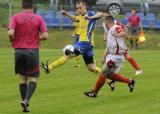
(113, 66)
(91, 65)
(20, 69)
(137, 31)
(123, 79)
(68, 54)
(133, 62)
(131, 38)
(77, 63)
(31, 87)
(87, 51)
(99, 83)
(32, 72)
(23, 91)
(60, 61)
(113, 76)
(109, 71)
(101, 80)
(23, 86)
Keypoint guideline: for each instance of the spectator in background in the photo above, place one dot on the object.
(144, 6)
(52, 2)
(134, 24)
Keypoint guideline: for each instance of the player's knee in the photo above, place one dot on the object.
(33, 79)
(23, 79)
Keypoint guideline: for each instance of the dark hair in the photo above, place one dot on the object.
(26, 4)
(109, 18)
(134, 9)
(81, 1)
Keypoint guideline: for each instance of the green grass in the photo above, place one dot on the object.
(61, 92)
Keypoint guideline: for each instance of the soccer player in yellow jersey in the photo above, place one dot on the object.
(85, 44)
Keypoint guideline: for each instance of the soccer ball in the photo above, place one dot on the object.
(68, 50)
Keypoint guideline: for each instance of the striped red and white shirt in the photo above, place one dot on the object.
(116, 22)
(115, 45)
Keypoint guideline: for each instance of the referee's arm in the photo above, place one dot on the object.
(44, 36)
(11, 33)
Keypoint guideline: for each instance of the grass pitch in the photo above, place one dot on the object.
(61, 92)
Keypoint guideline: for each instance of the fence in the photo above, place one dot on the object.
(53, 18)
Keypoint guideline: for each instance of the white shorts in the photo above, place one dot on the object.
(113, 63)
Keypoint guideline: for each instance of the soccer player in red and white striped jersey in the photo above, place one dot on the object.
(128, 57)
(114, 59)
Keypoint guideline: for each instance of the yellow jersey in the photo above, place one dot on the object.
(76, 25)
(86, 27)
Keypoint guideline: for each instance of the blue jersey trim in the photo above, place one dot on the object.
(91, 25)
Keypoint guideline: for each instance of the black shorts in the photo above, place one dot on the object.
(88, 59)
(27, 62)
(135, 31)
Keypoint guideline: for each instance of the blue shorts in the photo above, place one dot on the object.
(76, 42)
(85, 48)
(76, 38)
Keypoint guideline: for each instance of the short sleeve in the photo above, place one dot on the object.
(129, 19)
(12, 23)
(118, 29)
(43, 27)
(91, 13)
(119, 24)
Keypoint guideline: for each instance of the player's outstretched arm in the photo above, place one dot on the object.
(98, 15)
(72, 17)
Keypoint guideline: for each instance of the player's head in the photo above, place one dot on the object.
(27, 4)
(133, 11)
(109, 21)
(81, 7)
